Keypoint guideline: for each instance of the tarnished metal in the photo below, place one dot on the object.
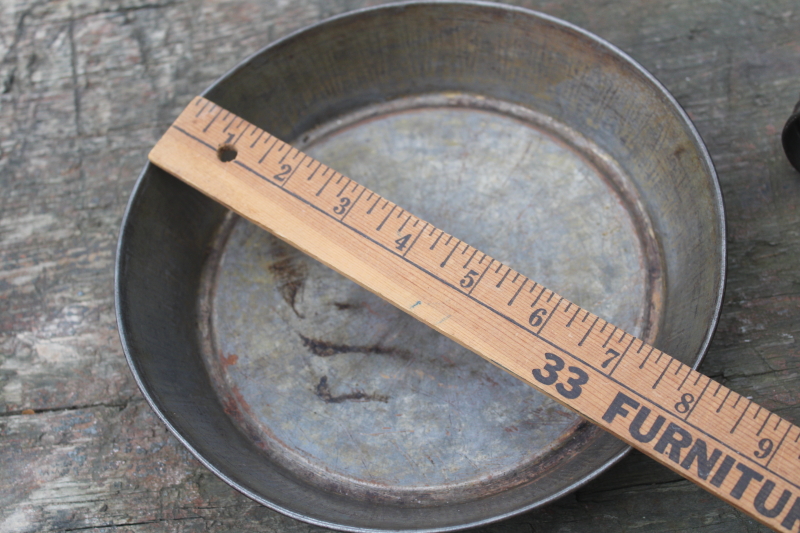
(320, 400)
(791, 138)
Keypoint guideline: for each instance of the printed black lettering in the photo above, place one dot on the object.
(761, 500)
(402, 241)
(677, 438)
(636, 426)
(748, 475)
(617, 407)
(722, 472)
(792, 516)
(705, 464)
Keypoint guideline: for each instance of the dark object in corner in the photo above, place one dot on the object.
(791, 138)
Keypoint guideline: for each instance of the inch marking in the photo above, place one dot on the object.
(511, 301)
(446, 259)
(578, 310)
(436, 241)
(481, 276)
(621, 357)
(415, 239)
(749, 403)
(663, 372)
(354, 203)
(590, 328)
(697, 401)
(385, 219)
(648, 355)
(499, 283)
(369, 212)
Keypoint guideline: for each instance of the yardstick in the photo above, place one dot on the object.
(722, 441)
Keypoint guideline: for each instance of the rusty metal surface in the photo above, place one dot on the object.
(341, 385)
(317, 399)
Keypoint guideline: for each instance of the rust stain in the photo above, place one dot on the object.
(231, 360)
(323, 390)
(322, 348)
(290, 275)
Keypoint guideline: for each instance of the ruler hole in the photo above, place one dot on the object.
(227, 153)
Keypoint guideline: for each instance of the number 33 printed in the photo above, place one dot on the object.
(549, 375)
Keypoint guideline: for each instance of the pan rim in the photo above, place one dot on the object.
(715, 193)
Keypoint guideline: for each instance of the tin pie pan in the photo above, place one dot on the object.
(526, 137)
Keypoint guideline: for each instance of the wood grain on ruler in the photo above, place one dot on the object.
(724, 442)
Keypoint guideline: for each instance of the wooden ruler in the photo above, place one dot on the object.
(722, 441)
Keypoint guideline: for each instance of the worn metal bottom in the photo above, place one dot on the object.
(357, 397)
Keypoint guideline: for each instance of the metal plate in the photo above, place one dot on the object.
(318, 399)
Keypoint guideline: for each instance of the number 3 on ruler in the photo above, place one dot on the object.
(552, 369)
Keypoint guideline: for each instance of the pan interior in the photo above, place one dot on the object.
(354, 395)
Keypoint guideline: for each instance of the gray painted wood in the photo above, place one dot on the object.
(86, 87)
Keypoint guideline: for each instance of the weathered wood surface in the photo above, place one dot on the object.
(86, 88)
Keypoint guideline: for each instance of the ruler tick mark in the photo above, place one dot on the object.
(733, 429)
(324, 184)
(779, 444)
(257, 138)
(387, 218)
(202, 108)
(404, 224)
(499, 283)
(578, 310)
(436, 241)
(697, 401)
(609, 337)
(546, 320)
(540, 295)
(764, 424)
(647, 356)
(621, 357)
(354, 203)
(481, 276)
(369, 211)
(314, 172)
(415, 238)
(212, 120)
(511, 301)
(688, 373)
(267, 152)
(588, 330)
(339, 194)
(450, 254)
(470, 257)
(662, 373)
